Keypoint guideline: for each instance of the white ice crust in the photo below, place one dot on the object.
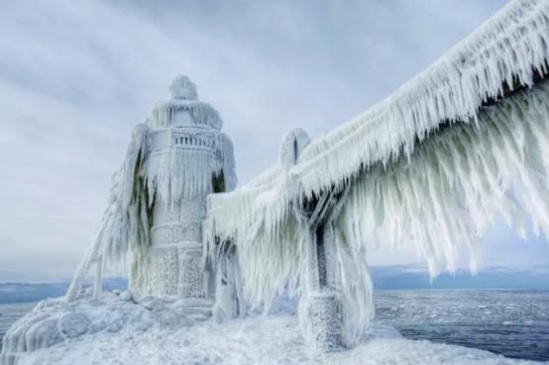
(55, 321)
(251, 341)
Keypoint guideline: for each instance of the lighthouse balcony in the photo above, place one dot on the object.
(193, 139)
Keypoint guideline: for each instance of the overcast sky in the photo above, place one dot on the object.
(76, 76)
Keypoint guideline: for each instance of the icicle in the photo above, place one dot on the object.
(440, 198)
(98, 280)
(452, 89)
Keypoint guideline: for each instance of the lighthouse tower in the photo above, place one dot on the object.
(189, 158)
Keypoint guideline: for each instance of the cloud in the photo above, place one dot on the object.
(75, 77)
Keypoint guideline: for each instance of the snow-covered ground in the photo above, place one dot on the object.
(275, 339)
(272, 340)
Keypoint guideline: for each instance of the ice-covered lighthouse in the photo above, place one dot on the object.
(158, 199)
(190, 157)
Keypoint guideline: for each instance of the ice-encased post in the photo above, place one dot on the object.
(323, 299)
(321, 295)
(228, 284)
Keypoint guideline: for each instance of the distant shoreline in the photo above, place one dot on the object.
(385, 279)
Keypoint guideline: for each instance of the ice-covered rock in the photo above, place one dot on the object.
(74, 325)
(55, 320)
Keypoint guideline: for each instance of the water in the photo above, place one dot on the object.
(511, 323)
(516, 341)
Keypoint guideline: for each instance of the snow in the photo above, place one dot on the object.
(275, 339)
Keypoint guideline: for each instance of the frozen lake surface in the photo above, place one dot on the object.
(511, 323)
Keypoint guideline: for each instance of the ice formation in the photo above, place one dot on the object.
(430, 165)
(127, 333)
(153, 222)
(273, 340)
(55, 320)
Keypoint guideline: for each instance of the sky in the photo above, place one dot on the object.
(77, 76)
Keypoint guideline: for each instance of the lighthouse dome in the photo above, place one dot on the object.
(184, 109)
